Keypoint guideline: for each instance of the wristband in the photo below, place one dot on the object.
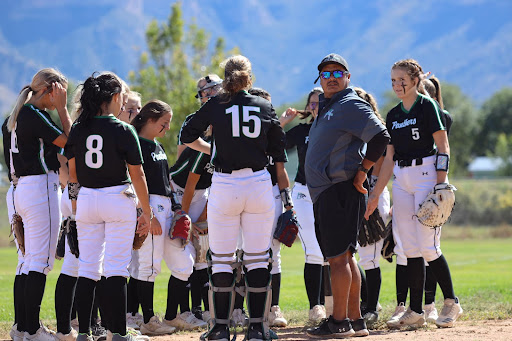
(73, 189)
(442, 162)
(286, 197)
(362, 169)
(175, 204)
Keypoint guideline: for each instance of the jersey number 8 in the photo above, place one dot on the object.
(246, 118)
(92, 150)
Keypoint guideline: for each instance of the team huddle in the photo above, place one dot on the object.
(104, 198)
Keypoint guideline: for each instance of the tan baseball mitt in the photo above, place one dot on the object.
(437, 207)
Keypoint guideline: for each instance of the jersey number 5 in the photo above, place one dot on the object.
(415, 133)
(246, 118)
(94, 156)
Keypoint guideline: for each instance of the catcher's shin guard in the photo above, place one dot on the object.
(215, 290)
(257, 284)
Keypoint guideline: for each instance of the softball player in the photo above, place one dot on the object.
(418, 156)
(34, 138)
(298, 137)
(245, 130)
(191, 177)
(19, 281)
(132, 106)
(102, 151)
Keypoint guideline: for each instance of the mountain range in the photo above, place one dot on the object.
(465, 42)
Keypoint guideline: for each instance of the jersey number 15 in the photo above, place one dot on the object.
(246, 118)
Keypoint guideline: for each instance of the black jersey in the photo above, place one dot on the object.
(271, 166)
(245, 130)
(101, 147)
(299, 136)
(6, 135)
(411, 131)
(184, 124)
(195, 162)
(33, 151)
(156, 167)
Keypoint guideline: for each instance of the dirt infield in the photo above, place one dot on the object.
(495, 330)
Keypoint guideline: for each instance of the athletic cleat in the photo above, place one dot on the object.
(132, 331)
(156, 327)
(15, 334)
(42, 334)
(430, 312)
(255, 333)
(185, 321)
(409, 319)
(98, 332)
(198, 313)
(379, 307)
(71, 336)
(206, 316)
(129, 337)
(328, 329)
(134, 321)
(276, 317)
(317, 313)
(74, 324)
(240, 318)
(399, 311)
(371, 318)
(84, 337)
(219, 333)
(359, 327)
(451, 311)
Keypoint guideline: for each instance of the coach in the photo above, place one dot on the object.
(336, 169)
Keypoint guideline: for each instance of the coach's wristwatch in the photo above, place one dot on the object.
(362, 169)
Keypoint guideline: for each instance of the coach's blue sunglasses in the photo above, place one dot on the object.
(336, 74)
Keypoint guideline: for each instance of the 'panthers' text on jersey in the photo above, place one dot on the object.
(299, 136)
(411, 131)
(102, 146)
(156, 167)
(192, 161)
(245, 130)
(33, 151)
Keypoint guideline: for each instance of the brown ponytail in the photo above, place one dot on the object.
(414, 70)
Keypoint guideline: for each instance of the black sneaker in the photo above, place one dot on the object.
(255, 333)
(371, 318)
(198, 313)
(359, 327)
(329, 328)
(219, 333)
(98, 332)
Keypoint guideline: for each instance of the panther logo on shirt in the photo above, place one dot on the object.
(160, 208)
(328, 114)
(306, 140)
(179, 192)
(301, 196)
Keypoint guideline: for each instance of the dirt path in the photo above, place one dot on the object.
(500, 330)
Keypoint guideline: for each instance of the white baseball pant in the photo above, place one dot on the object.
(369, 255)
(106, 220)
(303, 206)
(241, 199)
(410, 187)
(36, 199)
(276, 244)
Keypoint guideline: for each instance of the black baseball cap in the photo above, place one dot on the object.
(333, 58)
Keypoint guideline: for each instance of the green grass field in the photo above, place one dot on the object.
(481, 269)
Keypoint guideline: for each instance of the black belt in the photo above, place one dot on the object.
(229, 171)
(408, 163)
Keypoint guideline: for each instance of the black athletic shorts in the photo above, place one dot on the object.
(339, 212)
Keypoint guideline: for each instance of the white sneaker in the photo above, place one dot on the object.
(186, 321)
(73, 334)
(15, 334)
(399, 311)
(156, 327)
(42, 334)
(409, 318)
(206, 316)
(276, 317)
(317, 313)
(239, 318)
(134, 321)
(379, 307)
(130, 336)
(430, 312)
(135, 333)
(451, 310)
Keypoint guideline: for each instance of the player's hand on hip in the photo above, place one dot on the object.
(58, 96)
(373, 201)
(156, 228)
(358, 182)
(144, 224)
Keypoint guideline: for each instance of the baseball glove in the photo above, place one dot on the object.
(72, 234)
(201, 244)
(61, 244)
(19, 231)
(287, 228)
(388, 248)
(437, 207)
(138, 239)
(180, 227)
(372, 230)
